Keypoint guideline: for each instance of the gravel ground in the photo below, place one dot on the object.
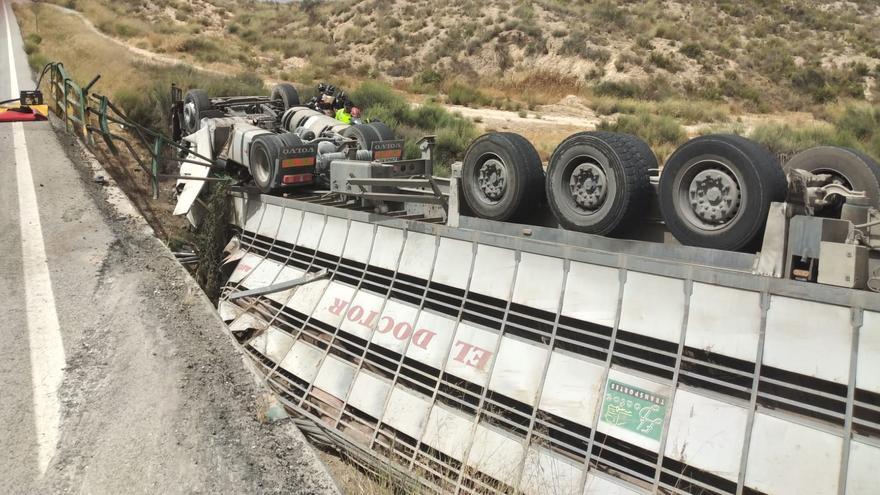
(156, 397)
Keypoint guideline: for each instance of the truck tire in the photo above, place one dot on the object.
(364, 133)
(715, 191)
(597, 182)
(264, 151)
(851, 168)
(287, 93)
(502, 177)
(195, 104)
(290, 139)
(385, 133)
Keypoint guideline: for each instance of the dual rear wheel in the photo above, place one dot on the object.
(264, 152)
(715, 191)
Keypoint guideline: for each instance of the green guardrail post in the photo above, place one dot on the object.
(104, 124)
(157, 149)
(66, 106)
(83, 115)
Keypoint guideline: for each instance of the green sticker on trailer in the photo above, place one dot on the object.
(634, 409)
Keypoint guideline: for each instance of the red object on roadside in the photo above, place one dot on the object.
(23, 114)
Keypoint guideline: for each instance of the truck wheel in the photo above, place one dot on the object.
(290, 139)
(385, 133)
(195, 103)
(597, 182)
(364, 133)
(715, 191)
(502, 177)
(264, 151)
(286, 93)
(850, 168)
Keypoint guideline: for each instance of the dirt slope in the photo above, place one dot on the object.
(772, 55)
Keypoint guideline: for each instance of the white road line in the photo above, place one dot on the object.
(44, 332)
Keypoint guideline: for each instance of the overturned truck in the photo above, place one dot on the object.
(708, 328)
(277, 143)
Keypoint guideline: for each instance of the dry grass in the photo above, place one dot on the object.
(759, 56)
(353, 481)
(516, 56)
(65, 38)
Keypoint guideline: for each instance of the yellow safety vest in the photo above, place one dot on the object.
(343, 116)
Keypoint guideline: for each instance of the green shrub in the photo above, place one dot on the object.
(126, 30)
(663, 61)
(608, 12)
(785, 139)
(655, 129)
(855, 126)
(203, 49)
(691, 50)
(37, 61)
(460, 94)
(454, 133)
(427, 82)
(151, 108)
(662, 133)
(371, 94)
(30, 48)
(620, 89)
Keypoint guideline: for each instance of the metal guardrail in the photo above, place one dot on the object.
(86, 115)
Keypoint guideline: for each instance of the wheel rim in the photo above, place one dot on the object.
(261, 168)
(190, 116)
(710, 195)
(588, 185)
(491, 179)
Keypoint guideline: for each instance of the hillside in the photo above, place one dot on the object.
(789, 74)
(763, 55)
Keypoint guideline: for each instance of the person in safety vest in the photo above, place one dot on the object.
(344, 113)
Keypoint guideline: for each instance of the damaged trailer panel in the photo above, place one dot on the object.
(483, 358)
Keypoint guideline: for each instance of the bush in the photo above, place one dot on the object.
(655, 129)
(126, 30)
(371, 94)
(662, 133)
(608, 12)
(202, 49)
(691, 50)
(663, 61)
(460, 94)
(30, 48)
(620, 89)
(785, 139)
(427, 81)
(151, 107)
(454, 133)
(855, 126)
(37, 61)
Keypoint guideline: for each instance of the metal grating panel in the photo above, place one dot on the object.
(483, 364)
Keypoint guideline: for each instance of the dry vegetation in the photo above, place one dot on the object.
(761, 55)
(649, 66)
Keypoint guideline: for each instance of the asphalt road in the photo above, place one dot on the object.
(115, 374)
